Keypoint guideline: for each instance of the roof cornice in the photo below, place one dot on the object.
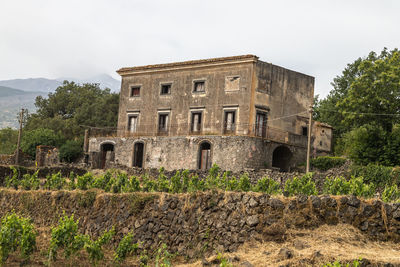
(188, 65)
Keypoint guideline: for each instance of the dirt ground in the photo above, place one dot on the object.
(313, 248)
(301, 247)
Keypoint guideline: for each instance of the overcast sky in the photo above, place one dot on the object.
(82, 38)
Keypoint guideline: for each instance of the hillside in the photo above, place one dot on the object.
(21, 93)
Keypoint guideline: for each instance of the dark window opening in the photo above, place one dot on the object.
(305, 130)
(261, 124)
(196, 122)
(205, 156)
(199, 86)
(320, 143)
(281, 158)
(135, 91)
(138, 155)
(165, 89)
(162, 123)
(229, 121)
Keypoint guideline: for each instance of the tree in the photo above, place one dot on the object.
(32, 139)
(368, 86)
(70, 151)
(73, 105)
(8, 140)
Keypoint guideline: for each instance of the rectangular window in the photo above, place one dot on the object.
(196, 122)
(305, 130)
(199, 86)
(261, 124)
(162, 123)
(135, 91)
(229, 121)
(132, 123)
(165, 89)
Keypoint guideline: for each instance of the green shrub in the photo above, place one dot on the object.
(268, 186)
(120, 182)
(12, 180)
(94, 248)
(163, 256)
(71, 182)
(66, 236)
(391, 193)
(301, 186)
(54, 181)
(70, 151)
(326, 162)
(379, 175)
(133, 185)
(359, 188)
(244, 183)
(196, 184)
(16, 232)
(232, 184)
(176, 183)
(29, 181)
(336, 186)
(104, 181)
(84, 181)
(162, 182)
(148, 184)
(125, 248)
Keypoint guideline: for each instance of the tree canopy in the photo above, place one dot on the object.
(73, 105)
(364, 108)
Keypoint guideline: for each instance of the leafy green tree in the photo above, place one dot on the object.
(70, 151)
(365, 144)
(73, 105)
(8, 140)
(41, 136)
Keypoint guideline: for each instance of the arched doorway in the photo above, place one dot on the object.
(107, 153)
(138, 150)
(281, 158)
(204, 156)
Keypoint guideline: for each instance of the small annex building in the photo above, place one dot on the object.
(238, 112)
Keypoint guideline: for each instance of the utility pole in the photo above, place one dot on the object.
(21, 118)
(310, 110)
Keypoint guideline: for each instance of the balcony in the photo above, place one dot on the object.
(229, 128)
(266, 132)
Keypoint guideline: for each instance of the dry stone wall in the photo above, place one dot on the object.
(192, 224)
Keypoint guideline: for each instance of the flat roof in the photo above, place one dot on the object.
(190, 63)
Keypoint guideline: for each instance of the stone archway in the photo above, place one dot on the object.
(281, 158)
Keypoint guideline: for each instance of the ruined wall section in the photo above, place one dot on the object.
(182, 100)
(284, 92)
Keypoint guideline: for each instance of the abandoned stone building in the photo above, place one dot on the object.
(238, 112)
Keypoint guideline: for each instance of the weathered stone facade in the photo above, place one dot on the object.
(238, 112)
(181, 221)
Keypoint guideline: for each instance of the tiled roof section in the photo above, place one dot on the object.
(188, 63)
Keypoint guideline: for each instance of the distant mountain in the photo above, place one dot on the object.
(8, 91)
(32, 84)
(50, 85)
(21, 93)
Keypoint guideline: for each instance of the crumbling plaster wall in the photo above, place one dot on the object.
(285, 92)
(233, 153)
(182, 99)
